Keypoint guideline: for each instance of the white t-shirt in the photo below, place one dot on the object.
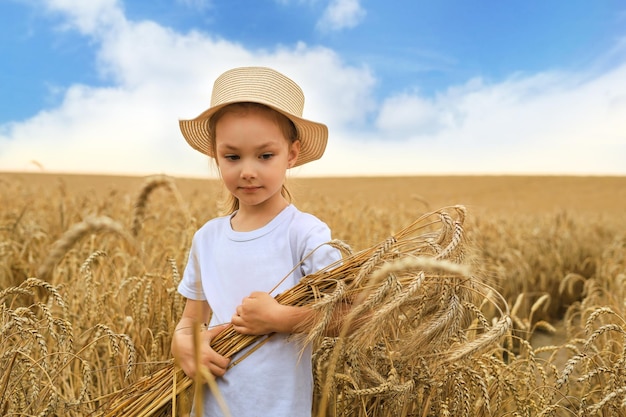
(225, 266)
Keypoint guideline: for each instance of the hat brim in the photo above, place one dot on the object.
(313, 136)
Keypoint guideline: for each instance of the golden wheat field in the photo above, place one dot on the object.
(474, 296)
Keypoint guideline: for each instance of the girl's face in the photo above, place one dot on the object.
(253, 156)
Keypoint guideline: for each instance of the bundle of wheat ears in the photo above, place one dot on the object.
(409, 313)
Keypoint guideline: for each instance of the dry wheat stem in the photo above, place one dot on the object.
(77, 232)
(152, 183)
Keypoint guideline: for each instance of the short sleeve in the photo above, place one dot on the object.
(190, 286)
(316, 252)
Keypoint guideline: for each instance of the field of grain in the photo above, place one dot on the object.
(89, 267)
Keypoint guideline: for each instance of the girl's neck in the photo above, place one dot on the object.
(249, 218)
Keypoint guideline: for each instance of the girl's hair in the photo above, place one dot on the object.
(230, 204)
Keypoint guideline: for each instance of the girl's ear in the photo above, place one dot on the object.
(294, 151)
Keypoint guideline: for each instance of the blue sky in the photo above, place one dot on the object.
(406, 87)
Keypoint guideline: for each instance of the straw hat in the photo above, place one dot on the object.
(258, 85)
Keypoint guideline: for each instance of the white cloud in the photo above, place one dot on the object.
(548, 123)
(89, 17)
(406, 115)
(341, 14)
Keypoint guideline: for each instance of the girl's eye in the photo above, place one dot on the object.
(266, 156)
(231, 157)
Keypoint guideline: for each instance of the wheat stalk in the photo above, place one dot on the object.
(152, 183)
(76, 233)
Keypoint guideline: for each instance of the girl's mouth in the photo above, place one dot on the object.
(249, 189)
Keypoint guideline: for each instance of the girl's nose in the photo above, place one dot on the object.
(248, 170)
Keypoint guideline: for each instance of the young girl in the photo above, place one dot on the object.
(255, 132)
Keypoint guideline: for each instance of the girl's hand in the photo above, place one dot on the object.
(260, 314)
(257, 314)
(184, 354)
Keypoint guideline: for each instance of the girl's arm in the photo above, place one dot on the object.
(197, 311)
(260, 314)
